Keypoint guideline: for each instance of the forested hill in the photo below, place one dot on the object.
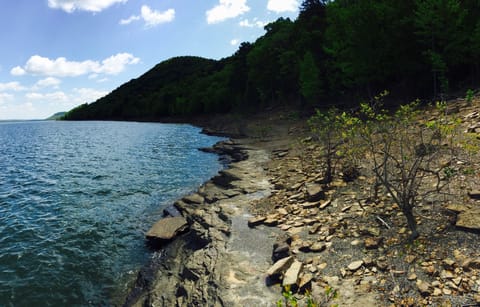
(334, 49)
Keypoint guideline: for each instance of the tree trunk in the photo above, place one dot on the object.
(412, 224)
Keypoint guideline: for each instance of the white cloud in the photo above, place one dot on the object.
(4, 97)
(280, 6)
(151, 17)
(83, 95)
(154, 18)
(234, 42)
(116, 63)
(48, 82)
(70, 6)
(17, 71)
(226, 9)
(11, 86)
(61, 67)
(50, 97)
(129, 20)
(251, 24)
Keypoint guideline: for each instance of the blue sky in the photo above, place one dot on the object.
(57, 54)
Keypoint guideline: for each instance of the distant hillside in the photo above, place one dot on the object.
(334, 51)
(167, 89)
(57, 116)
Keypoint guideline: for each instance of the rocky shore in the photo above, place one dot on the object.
(218, 261)
(270, 221)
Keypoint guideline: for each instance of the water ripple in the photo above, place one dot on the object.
(76, 198)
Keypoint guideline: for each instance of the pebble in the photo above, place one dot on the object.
(355, 265)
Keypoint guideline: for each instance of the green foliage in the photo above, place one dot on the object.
(469, 96)
(290, 300)
(334, 49)
(406, 158)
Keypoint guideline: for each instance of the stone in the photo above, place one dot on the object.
(476, 297)
(280, 266)
(225, 177)
(280, 251)
(305, 279)
(445, 274)
(314, 192)
(448, 263)
(373, 243)
(317, 247)
(382, 265)
(325, 204)
(437, 292)
(412, 276)
(255, 221)
(474, 194)
(423, 287)
(469, 219)
(309, 205)
(167, 228)
(355, 265)
(291, 275)
(193, 199)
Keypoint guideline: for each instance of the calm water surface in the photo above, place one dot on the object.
(76, 199)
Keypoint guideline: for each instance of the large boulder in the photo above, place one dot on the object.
(168, 228)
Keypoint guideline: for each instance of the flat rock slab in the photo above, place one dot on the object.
(194, 199)
(469, 219)
(474, 194)
(167, 228)
(291, 275)
(280, 266)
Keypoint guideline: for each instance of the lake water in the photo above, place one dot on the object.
(76, 199)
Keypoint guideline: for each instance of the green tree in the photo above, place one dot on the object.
(310, 82)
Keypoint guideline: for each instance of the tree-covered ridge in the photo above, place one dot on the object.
(334, 49)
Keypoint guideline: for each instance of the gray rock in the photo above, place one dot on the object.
(291, 275)
(194, 199)
(167, 228)
(280, 266)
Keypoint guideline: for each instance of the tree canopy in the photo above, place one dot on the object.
(333, 50)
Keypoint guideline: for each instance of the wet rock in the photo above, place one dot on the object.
(291, 275)
(171, 211)
(280, 266)
(167, 228)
